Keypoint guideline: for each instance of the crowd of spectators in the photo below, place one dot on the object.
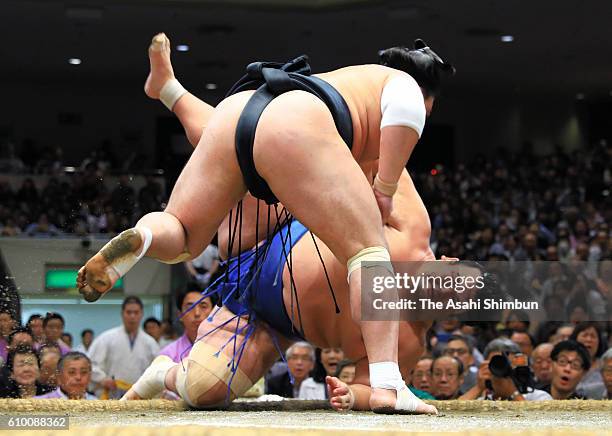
(516, 208)
(77, 204)
(522, 207)
(469, 361)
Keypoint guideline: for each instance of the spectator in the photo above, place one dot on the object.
(67, 339)
(87, 337)
(169, 333)
(203, 267)
(49, 357)
(606, 372)
(421, 375)
(518, 321)
(541, 364)
(35, 324)
(152, 327)
(489, 387)
(23, 371)
(446, 377)
(120, 355)
(314, 388)
(7, 324)
(74, 374)
(589, 335)
(563, 333)
(194, 310)
(10, 228)
(19, 336)
(53, 328)
(42, 228)
(345, 371)
(524, 341)
(461, 348)
(570, 362)
(300, 361)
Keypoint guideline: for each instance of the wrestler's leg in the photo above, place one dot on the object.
(313, 173)
(201, 379)
(209, 186)
(192, 112)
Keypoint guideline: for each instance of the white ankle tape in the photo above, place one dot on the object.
(125, 263)
(406, 400)
(371, 254)
(171, 92)
(386, 375)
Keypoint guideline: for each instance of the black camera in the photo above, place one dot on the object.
(518, 370)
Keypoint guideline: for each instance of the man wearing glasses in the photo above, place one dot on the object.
(571, 361)
(461, 348)
(300, 361)
(446, 377)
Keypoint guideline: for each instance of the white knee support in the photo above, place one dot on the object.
(205, 368)
(371, 254)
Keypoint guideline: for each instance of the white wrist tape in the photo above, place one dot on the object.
(171, 92)
(384, 187)
(125, 263)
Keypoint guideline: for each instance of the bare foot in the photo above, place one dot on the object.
(384, 401)
(341, 397)
(130, 395)
(161, 65)
(98, 276)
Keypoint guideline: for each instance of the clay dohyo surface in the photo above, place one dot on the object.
(143, 418)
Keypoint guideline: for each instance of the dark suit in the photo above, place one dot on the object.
(280, 385)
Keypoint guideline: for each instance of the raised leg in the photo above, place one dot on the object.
(192, 112)
(209, 186)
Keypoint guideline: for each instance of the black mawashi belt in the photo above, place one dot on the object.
(272, 79)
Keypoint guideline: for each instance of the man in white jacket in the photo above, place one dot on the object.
(120, 355)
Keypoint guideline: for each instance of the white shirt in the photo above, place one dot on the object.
(312, 390)
(206, 259)
(114, 356)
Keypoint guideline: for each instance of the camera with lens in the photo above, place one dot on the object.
(516, 368)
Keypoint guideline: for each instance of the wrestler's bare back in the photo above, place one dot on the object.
(360, 86)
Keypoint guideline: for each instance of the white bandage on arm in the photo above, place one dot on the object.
(171, 92)
(402, 104)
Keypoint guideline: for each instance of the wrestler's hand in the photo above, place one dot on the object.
(385, 205)
(341, 398)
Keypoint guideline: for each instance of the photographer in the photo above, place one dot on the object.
(512, 381)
